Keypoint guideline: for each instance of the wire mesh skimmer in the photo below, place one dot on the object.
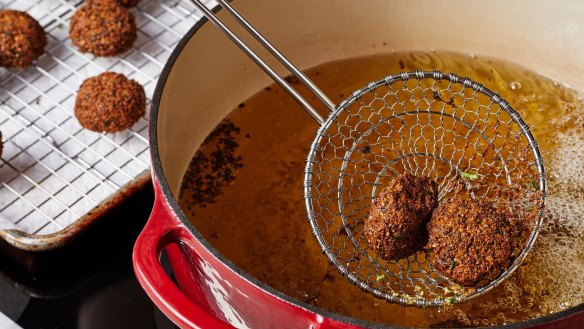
(427, 123)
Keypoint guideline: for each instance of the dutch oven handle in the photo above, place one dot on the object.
(161, 231)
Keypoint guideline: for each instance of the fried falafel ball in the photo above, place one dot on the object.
(109, 102)
(396, 226)
(103, 28)
(472, 240)
(22, 39)
(125, 3)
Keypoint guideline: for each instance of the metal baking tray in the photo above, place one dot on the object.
(56, 178)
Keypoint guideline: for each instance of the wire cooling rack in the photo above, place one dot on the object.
(53, 173)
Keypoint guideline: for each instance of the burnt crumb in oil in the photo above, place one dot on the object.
(402, 65)
(439, 98)
(328, 277)
(292, 80)
(366, 149)
(210, 171)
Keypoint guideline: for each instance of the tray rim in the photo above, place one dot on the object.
(46, 242)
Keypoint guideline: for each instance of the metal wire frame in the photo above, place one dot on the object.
(36, 194)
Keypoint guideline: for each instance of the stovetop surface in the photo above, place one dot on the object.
(89, 285)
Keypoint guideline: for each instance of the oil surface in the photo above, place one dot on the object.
(243, 192)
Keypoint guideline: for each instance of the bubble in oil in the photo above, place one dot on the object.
(553, 274)
(515, 85)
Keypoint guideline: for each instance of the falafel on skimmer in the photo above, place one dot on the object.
(472, 240)
(395, 227)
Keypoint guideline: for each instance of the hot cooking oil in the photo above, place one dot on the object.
(243, 192)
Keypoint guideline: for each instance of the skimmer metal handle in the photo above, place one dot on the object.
(262, 64)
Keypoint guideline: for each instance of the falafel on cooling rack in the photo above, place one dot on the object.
(125, 3)
(472, 240)
(396, 225)
(103, 28)
(22, 39)
(109, 103)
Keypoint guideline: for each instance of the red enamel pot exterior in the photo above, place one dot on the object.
(210, 294)
(208, 291)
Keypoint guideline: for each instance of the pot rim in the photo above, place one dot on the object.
(169, 198)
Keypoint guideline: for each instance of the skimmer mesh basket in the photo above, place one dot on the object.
(431, 124)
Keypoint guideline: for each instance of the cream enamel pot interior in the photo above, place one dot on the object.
(207, 76)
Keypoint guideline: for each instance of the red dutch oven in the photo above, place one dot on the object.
(207, 76)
